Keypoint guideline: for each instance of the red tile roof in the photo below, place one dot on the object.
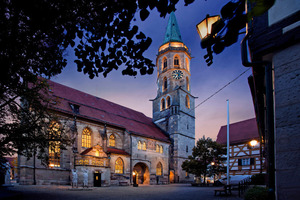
(239, 132)
(117, 151)
(101, 110)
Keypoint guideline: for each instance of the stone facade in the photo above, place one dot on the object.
(88, 158)
(174, 106)
(287, 108)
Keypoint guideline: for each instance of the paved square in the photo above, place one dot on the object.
(149, 192)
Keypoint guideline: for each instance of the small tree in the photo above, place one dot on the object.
(204, 153)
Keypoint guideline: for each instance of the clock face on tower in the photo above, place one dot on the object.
(177, 74)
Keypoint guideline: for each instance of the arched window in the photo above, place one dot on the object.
(97, 153)
(54, 145)
(165, 84)
(144, 147)
(159, 169)
(119, 166)
(187, 101)
(86, 138)
(187, 84)
(162, 104)
(157, 148)
(139, 145)
(161, 150)
(112, 140)
(187, 64)
(168, 102)
(165, 64)
(176, 62)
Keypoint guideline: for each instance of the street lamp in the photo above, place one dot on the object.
(253, 143)
(205, 32)
(134, 179)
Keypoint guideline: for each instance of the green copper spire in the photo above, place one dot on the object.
(172, 33)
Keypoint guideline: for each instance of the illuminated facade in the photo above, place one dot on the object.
(112, 142)
(173, 107)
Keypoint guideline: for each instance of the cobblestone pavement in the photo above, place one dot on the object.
(150, 192)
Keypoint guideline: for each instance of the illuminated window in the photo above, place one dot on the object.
(168, 102)
(176, 62)
(165, 64)
(187, 64)
(112, 141)
(139, 145)
(54, 146)
(97, 153)
(86, 138)
(119, 166)
(159, 169)
(187, 84)
(165, 84)
(144, 146)
(161, 150)
(157, 148)
(162, 104)
(187, 101)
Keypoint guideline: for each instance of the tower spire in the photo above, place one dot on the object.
(172, 32)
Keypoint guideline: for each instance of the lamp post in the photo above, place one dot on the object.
(134, 179)
(207, 30)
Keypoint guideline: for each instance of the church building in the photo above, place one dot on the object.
(117, 145)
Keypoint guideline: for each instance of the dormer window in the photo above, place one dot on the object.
(75, 108)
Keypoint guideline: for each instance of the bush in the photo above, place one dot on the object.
(256, 193)
(258, 179)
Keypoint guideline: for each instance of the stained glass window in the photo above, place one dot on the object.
(157, 148)
(161, 150)
(119, 166)
(159, 169)
(112, 141)
(139, 145)
(54, 146)
(144, 146)
(86, 138)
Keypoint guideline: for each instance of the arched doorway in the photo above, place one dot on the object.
(142, 173)
(171, 177)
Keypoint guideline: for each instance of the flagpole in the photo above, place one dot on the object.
(228, 181)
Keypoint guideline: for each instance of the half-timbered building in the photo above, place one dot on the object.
(245, 147)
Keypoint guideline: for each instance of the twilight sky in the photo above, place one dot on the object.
(135, 92)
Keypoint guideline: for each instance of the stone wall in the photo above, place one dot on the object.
(287, 115)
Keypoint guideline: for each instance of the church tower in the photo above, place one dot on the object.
(173, 107)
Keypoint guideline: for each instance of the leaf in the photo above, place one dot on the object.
(140, 36)
(144, 13)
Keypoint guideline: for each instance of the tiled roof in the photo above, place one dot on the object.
(239, 132)
(117, 151)
(103, 111)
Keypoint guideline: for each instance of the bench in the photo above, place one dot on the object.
(123, 183)
(226, 190)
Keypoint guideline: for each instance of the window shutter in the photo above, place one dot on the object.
(240, 162)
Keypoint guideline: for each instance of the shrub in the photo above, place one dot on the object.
(256, 193)
(258, 179)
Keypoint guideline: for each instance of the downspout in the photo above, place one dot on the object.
(269, 112)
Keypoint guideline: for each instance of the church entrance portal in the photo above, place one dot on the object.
(97, 179)
(142, 174)
(172, 177)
